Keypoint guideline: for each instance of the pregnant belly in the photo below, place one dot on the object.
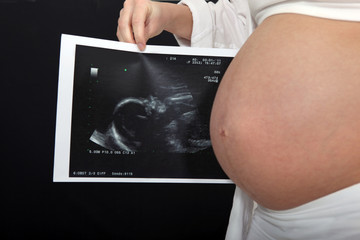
(285, 124)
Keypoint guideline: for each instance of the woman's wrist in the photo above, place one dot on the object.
(178, 19)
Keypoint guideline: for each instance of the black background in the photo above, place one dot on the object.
(34, 206)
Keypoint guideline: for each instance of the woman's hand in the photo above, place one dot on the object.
(143, 19)
(139, 20)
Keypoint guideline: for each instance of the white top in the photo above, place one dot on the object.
(228, 23)
(340, 10)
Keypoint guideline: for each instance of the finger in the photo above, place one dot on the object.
(118, 28)
(125, 30)
(119, 32)
(138, 22)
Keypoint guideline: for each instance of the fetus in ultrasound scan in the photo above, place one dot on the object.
(153, 125)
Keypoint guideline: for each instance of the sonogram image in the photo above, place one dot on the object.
(150, 124)
(146, 114)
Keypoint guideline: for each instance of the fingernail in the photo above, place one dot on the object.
(141, 46)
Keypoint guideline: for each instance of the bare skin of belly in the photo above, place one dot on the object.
(285, 124)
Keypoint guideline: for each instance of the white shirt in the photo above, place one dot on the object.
(333, 9)
(222, 25)
(228, 23)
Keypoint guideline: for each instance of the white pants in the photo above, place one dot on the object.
(333, 217)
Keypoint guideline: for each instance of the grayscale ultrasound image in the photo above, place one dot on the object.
(143, 115)
(171, 124)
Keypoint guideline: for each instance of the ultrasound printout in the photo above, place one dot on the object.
(130, 116)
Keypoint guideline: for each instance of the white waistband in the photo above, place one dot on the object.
(346, 196)
(335, 216)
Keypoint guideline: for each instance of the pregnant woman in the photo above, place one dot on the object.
(285, 124)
